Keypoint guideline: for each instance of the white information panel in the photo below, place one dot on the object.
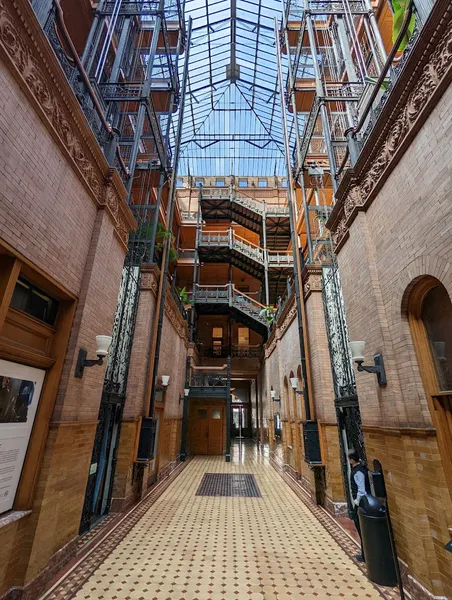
(20, 390)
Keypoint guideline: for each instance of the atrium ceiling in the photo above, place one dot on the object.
(232, 120)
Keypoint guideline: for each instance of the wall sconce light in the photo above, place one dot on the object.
(103, 346)
(357, 350)
(186, 394)
(165, 380)
(273, 396)
(294, 384)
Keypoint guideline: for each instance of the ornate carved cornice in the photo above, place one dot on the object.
(270, 345)
(425, 77)
(312, 280)
(32, 62)
(150, 274)
(175, 317)
(290, 316)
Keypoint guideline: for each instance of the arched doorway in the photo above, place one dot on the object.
(430, 317)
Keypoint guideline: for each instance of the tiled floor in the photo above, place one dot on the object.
(188, 547)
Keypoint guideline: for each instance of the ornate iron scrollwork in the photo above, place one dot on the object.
(346, 398)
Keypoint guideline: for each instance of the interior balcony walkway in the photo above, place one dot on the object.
(179, 545)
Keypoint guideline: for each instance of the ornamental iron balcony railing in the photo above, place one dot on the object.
(229, 239)
(259, 207)
(209, 378)
(227, 294)
(236, 351)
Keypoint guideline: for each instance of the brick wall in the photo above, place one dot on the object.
(47, 214)
(51, 220)
(404, 235)
(172, 361)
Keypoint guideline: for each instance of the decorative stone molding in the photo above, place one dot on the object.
(270, 346)
(149, 278)
(287, 316)
(150, 274)
(425, 77)
(175, 317)
(312, 280)
(291, 314)
(32, 62)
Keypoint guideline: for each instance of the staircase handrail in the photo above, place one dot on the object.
(249, 203)
(251, 300)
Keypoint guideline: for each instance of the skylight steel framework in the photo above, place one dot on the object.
(334, 51)
(233, 120)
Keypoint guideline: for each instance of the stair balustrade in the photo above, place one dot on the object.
(228, 294)
(246, 248)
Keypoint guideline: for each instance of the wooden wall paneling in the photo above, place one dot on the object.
(9, 272)
(36, 446)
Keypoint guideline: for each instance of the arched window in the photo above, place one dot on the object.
(288, 411)
(436, 315)
(430, 316)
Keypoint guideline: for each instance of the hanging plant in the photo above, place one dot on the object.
(268, 313)
(183, 295)
(399, 8)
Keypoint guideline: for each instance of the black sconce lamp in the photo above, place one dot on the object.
(103, 346)
(275, 399)
(357, 350)
(294, 385)
(185, 396)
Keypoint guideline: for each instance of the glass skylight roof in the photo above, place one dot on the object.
(232, 121)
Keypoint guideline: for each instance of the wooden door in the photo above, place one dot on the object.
(200, 430)
(216, 421)
(208, 429)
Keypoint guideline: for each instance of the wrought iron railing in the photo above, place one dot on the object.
(256, 206)
(284, 299)
(213, 351)
(227, 294)
(178, 302)
(379, 102)
(241, 351)
(230, 239)
(280, 259)
(189, 215)
(77, 78)
(209, 378)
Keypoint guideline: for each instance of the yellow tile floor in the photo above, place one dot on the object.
(187, 547)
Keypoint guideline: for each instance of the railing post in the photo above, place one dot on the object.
(230, 293)
(110, 151)
(264, 235)
(352, 146)
(228, 412)
(230, 237)
(183, 443)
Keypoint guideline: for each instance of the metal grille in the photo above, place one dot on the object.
(225, 484)
(346, 398)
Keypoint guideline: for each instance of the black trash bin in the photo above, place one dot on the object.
(376, 542)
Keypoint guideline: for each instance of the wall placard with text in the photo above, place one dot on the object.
(20, 390)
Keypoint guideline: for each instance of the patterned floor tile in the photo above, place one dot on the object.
(181, 546)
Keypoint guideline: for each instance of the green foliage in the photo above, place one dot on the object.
(384, 85)
(144, 234)
(184, 296)
(269, 314)
(399, 8)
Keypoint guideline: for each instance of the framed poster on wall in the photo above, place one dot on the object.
(20, 390)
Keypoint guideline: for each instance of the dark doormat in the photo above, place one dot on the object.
(227, 484)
